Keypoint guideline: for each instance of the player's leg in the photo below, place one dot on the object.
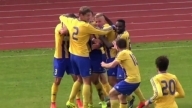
(69, 71)
(83, 64)
(120, 77)
(76, 85)
(139, 94)
(59, 69)
(125, 89)
(112, 73)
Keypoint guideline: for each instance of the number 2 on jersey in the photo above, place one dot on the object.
(169, 87)
(75, 33)
(134, 59)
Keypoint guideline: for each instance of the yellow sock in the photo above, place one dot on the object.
(78, 96)
(107, 88)
(100, 91)
(74, 91)
(129, 98)
(139, 94)
(91, 98)
(54, 90)
(114, 103)
(123, 106)
(86, 92)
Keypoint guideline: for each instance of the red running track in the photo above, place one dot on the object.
(30, 24)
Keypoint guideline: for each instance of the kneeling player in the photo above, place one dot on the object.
(166, 86)
(124, 34)
(121, 90)
(61, 62)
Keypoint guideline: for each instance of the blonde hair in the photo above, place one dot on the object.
(105, 17)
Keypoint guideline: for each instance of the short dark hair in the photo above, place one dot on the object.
(162, 63)
(72, 15)
(121, 43)
(84, 10)
(122, 21)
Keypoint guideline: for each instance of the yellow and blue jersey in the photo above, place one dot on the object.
(61, 43)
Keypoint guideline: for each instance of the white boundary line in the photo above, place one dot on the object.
(157, 48)
(53, 3)
(160, 35)
(182, 8)
(47, 28)
(164, 15)
(46, 9)
(92, 1)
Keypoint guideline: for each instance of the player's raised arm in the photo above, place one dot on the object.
(92, 30)
(179, 90)
(156, 88)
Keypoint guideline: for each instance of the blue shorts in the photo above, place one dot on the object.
(121, 75)
(126, 88)
(111, 71)
(96, 58)
(61, 66)
(80, 65)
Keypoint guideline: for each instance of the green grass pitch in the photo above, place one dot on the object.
(26, 75)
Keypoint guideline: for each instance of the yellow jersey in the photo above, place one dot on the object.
(80, 33)
(111, 36)
(166, 88)
(129, 63)
(125, 35)
(61, 43)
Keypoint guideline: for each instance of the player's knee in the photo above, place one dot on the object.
(113, 94)
(112, 80)
(122, 98)
(74, 77)
(79, 79)
(87, 80)
(57, 81)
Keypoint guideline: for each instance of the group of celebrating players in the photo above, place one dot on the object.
(87, 47)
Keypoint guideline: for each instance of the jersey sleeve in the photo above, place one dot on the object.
(179, 89)
(66, 20)
(120, 57)
(92, 30)
(156, 89)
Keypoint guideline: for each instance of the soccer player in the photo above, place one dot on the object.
(80, 31)
(165, 85)
(103, 22)
(61, 62)
(124, 34)
(124, 88)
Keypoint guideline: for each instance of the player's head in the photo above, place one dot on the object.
(121, 44)
(85, 13)
(71, 15)
(162, 63)
(101, 19)
(120, 24)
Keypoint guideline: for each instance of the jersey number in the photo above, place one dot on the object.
(134, 59)
(169, 87)
(75, 33)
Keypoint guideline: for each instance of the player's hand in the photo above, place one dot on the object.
(103, 64)
(95, 46)
(147, 104)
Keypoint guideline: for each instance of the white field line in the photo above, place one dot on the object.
(48, 28)
(137, 49)
(37, 22)
(182, 8)
(32, 42)
(143, 36)
(96, 6)
(160, 35)
(54, 3)
(137, 4)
